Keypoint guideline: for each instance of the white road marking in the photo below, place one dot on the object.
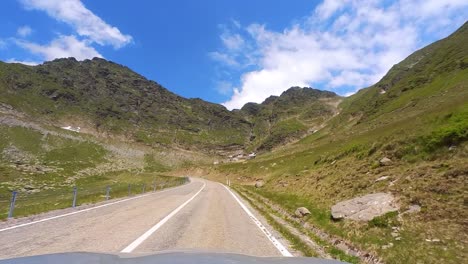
(153, 229)
(85, 210)
(282, 249)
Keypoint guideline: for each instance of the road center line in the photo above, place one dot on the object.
(282, 249)
(153, 229)
(87, 209)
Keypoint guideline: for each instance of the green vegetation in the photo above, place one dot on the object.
(44, 168)
(299, 244)
(416, 116)
(280, 119)
(331, 147)
(281, 131)
(295, 241)
(385, 221)
(110, 98)
(89, 190)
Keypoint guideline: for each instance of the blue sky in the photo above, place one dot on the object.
(231, 52)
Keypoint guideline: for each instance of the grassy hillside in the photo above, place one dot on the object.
(129, 127)
(104, 97)
(288, 117)
(43, 163)
(316, 148)
(417, 116)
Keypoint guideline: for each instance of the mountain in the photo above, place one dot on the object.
(290, 116)
(405, 136)
(102, 97)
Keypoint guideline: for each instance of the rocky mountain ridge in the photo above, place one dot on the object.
(105, 98)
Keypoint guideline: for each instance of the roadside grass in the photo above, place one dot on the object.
(429, 150)
(372, 236)
(296, 242)
(59, 159)
(90, 190)
(267, 211)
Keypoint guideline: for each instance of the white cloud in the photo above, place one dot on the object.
(232, 41)
(224, 58)
(85, 22)
(25, 62)
(342, 46)
(329, 7)
(24, 31)
(62, 47)
(223, 87)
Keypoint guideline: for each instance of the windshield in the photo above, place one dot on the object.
(328, 131)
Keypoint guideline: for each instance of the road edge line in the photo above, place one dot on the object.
(88, 209)
(153, 229)
(281, 248)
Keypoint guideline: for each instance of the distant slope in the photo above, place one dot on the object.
(295, 113)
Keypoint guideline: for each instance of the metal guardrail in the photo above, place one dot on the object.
(76, 193)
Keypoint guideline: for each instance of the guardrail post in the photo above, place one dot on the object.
(129, 189)
(154, 186)
(143, 188)
(107, 192)
(75, 191)
(12, 204)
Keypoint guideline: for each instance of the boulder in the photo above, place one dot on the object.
(301, 212)
(259, 184)
(413, 208)
(385, 161)
(364, 208)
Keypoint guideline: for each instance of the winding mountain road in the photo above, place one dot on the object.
(201, 215)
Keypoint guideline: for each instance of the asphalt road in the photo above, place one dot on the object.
(201, 215)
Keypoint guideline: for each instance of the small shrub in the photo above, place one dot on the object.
(387, 220)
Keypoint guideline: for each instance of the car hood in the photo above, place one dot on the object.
(163, 258)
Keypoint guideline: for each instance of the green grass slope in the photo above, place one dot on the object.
(417, 116)
(105, 97)
(288, 117)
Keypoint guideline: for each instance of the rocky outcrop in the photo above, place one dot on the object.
(365, 208)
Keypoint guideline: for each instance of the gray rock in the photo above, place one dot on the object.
(365, 208)
(301, 212)
(385, 161)
(414, 208)
(259, 184)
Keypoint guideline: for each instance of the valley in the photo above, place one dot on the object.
(405, 136)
